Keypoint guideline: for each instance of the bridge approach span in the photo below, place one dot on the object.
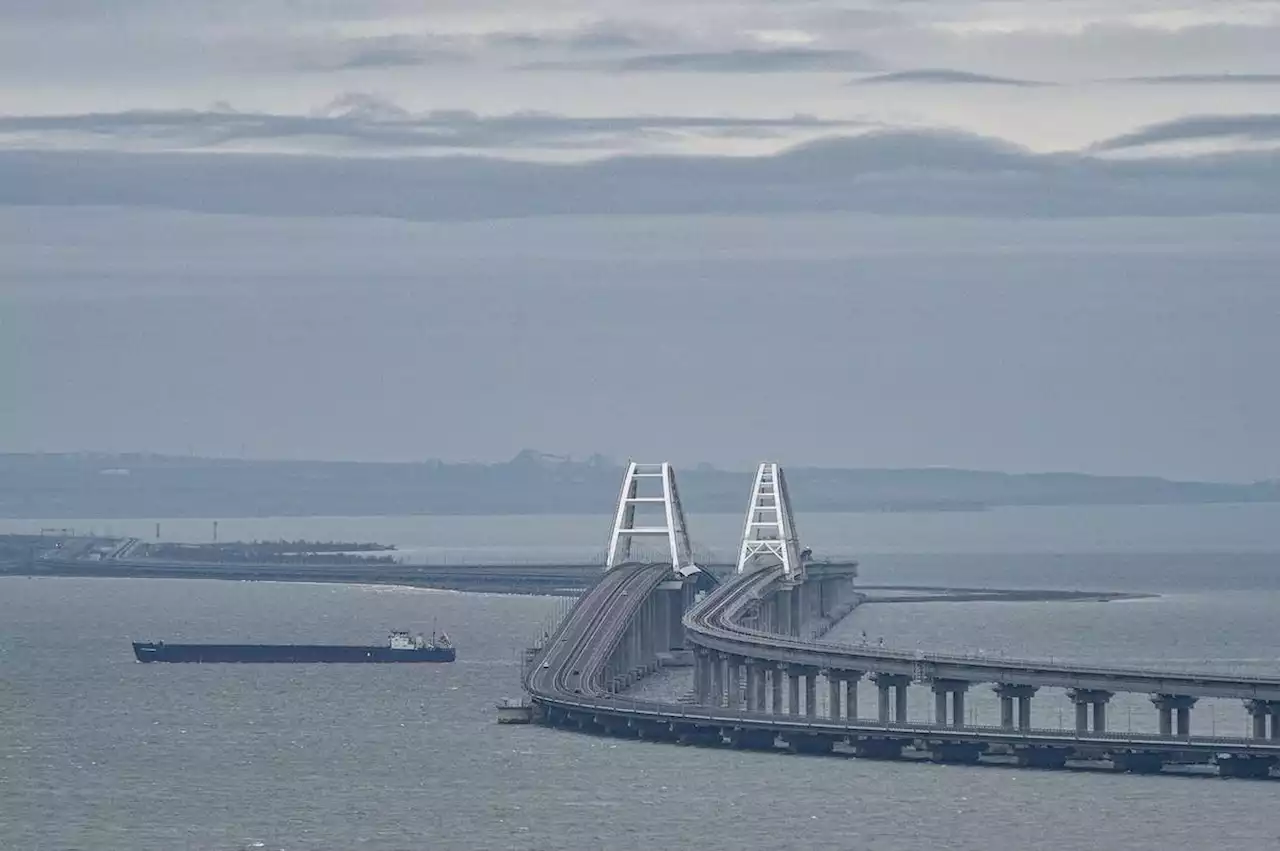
(568, 684)
(717, 624)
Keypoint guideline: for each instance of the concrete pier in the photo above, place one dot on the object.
(1174, 705)
(850, 679)
(794, 675)
(955, 689)
(733, 669)
(752, 673)
(702, 677)
(776, 676)
(1259, 711)
(1085, 699)
(811, 692)
(1008, 694)
(717, 680)
(893, 692)
(835, 691)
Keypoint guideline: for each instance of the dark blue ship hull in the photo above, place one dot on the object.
(289, 653)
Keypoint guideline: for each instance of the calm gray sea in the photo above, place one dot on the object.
(99, 752)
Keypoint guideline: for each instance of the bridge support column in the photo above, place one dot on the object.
(675, 613)
(1084, 698)
(1168, 705)
(752, 673)
(956, 690)
(835, 690)
(761, 695)
(797, 610)
(717, 679)
(775, 690)
(794, 676)
(782, 606)
(687, 595)
(811, 692)
(734, 665)
(1258, 711)
(851, 693)
(1008, 693)
(898, 683)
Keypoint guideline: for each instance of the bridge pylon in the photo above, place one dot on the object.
(769, 537)
(652, 488)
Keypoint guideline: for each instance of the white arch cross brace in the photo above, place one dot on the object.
(666, 495)
(770, 535)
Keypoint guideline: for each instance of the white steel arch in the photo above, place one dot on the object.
(769, 536)
(660, 490)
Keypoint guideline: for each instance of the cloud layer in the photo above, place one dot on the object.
(1201, 128)
(367, 124)
(593, 58)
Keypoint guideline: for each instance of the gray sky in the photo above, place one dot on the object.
(1019, 236)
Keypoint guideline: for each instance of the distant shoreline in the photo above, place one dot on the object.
(524, 580)
(123, 487)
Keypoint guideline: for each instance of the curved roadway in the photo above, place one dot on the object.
(714, 624)
(572, 663)
(568, 676)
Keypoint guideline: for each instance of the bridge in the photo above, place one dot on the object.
(756, 644)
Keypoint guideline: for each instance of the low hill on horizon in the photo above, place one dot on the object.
(102, 486)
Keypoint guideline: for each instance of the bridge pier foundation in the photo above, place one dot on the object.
(690, 734)
(878, 748)
(657, 732)
(1245, 767)
(811, 692)
(776, 675)
(1138, 762)
(753, 740)
(1041, 757)
(960, 753)
(808, 743)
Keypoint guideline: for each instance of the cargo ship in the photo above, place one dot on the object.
(401, 647)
